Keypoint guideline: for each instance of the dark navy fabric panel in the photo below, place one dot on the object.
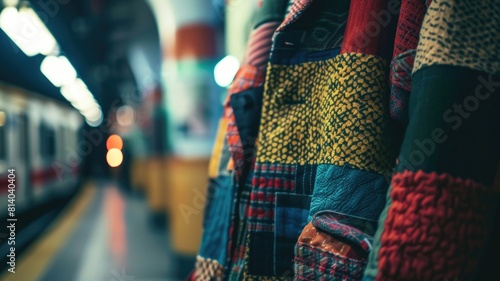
(349, 191)
(217, 219)
(291, 221)
(290, 57)
(283, 265)
(247, 107)
(259, 264)
(291, 213)
(305, 178)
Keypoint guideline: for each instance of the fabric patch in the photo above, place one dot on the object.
(296, 10)
(220, 152)
(259, 264)
(436, 227)
(208, 269)
(217, 219)
(370, 24)
(489, 264)
(259, 45)
(333, 247)
(411, 15)
(401, 67)
(268, 179)
(349, 191)
(311, 263)
(329, 112)
(453, 124)
(292, 211)
(410, 19)
(358, 232)
(295, 57)
(247, 77)
(246, 108)
(320, 28)
(271, 11)
(461, 33)
(305, 179)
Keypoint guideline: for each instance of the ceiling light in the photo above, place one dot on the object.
(58, 70)
(28, 32)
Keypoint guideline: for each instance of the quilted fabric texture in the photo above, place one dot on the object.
(349, 191)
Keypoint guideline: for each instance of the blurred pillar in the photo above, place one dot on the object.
(240, 15)
(192, 102)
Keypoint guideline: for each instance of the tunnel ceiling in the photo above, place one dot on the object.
(97, 36)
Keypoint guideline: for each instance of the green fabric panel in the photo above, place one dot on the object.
(453, 124)
(271, 10)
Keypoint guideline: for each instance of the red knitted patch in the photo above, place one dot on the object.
(410, 21)
(367, 22)
(435, 228)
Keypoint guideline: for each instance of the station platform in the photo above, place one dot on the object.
(103, 234)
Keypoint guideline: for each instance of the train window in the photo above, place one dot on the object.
(23, 139)
(47, 142)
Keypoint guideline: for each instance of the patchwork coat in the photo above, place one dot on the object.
(336, 102)
(439, 222)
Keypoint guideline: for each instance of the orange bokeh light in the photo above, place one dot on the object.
(114, 157)
(114, 141)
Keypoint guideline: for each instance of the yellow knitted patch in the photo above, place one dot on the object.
(327, 112)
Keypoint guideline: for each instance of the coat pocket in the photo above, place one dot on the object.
(332, 247)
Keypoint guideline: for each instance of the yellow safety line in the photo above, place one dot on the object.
(35, 259)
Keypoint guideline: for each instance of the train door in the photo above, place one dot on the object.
(25, 159)
(4, 158)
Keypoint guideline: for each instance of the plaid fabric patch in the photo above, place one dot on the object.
(267, 180)
(347, 227)
(247, 77)
(311, 263)
(298, 7)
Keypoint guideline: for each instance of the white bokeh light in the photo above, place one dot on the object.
(225, 70)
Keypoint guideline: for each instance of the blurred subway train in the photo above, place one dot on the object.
(38, 138)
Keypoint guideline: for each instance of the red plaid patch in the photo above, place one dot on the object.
(268, 179)
(247, 77)
(296, 10)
